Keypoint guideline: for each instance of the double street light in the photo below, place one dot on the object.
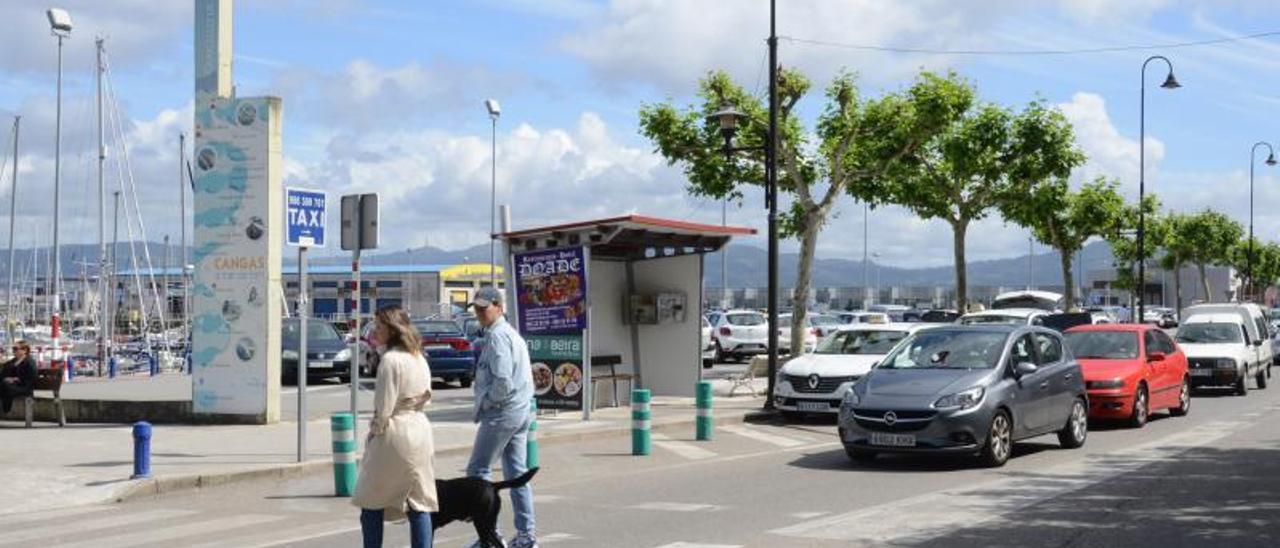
(728, 118)
(1169, 83)
(60, 26)
(1271, 161)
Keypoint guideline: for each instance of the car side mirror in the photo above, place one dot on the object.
(1257, 342)
(1024, 369)
(1156, 357)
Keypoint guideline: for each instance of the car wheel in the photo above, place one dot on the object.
(860, 456)
(1184, 400)
(1262, 378)
(464, 381)
(706, 363)
(1077, 429)
(720, 355)
(1141, 408)
(1242, 384)
(792, 416)
(999, 445)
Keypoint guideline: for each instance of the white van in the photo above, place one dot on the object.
(1253, 316)
(1224, 348)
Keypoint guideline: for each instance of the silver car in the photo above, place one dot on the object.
(967, 389)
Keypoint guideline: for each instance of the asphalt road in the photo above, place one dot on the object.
(1211, 477)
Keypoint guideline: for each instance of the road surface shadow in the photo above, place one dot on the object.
(906, 463)
(1201, 497)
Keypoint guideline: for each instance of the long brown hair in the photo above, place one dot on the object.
(403, 335)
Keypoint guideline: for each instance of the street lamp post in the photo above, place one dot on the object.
(60, 25)
(494, 112)
(728, 118)
(1271, 161)
(1169, 83)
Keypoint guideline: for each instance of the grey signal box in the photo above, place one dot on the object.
(359, 221)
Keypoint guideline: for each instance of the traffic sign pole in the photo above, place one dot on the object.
(355, 359)
(306, 217)
(302, 353)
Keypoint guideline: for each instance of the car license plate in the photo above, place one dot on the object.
(320, 365)
(436, 347)
(813, 406)
(1201, 372)
(893, 440)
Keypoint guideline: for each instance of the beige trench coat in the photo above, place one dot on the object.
(396, 473)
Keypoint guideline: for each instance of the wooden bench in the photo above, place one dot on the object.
(51, 380)
(608, 367)
(758, 367)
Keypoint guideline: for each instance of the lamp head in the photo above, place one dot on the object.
(492, 106)
(59, 21)
(1271, 159)
(1171, 82)
(728, 118)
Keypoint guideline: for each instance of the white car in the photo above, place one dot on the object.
(858, 316)
(708, 345)
(816, 382)
(1008, 316)
(1220, 352)
(739, 334)
(784, 334)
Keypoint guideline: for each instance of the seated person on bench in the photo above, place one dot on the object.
(17, 376)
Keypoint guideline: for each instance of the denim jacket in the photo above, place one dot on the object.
(504, 376)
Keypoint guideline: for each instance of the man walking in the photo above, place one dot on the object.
(503, 391)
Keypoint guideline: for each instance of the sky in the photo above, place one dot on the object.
(387, 97)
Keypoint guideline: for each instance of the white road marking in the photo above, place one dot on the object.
(675, 507)
(766, 437)
(7, 522)
(278, 537)
(87, 526)
(199, 528)
(686, 450)
(922, 517)
(809, 515)
(697, 545)
(556, 537)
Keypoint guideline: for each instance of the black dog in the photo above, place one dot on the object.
(477, 501)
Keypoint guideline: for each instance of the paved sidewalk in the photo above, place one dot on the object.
(48, 466)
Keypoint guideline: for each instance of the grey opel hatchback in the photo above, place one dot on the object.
(966, 389)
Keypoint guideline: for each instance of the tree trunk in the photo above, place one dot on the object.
(1068, 283)
(1204, 283)
(958, 230)
(1177, 287)
(800, 299)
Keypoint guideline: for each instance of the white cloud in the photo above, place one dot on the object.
(1110, 153)
(1111, 11)
(135, 30)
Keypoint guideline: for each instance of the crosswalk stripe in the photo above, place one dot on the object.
(556, 537)
(7, 522)
(686, 450)
(293, 535)
(698, 545)
(766, 437)
(220, 525)
(675, 507)
(87, 526)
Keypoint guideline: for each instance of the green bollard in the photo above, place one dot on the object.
(703, 422)
(641, 442)
(343, 426)
(531, 444)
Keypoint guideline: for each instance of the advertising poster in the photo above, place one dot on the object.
(551, 287)
(235, 313)
(557, 370)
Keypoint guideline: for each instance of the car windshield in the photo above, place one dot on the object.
(1103, 345)
(993, 319)
(745, 319)
(947, 349)
(1209, 333)
(860, 342)
(316, 331)
(436, 327)
(824, 320)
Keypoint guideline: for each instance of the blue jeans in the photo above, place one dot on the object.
(506, 435)
(419, 528)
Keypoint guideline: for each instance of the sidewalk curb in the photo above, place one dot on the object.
(165, 485)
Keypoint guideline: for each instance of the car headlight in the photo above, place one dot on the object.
(782, 378)
(1226, 363)
(851, 398)
(961, 400)
(343, 356)
(289, 355)
(1113, 383)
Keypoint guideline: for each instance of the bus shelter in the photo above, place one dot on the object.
(609, 301)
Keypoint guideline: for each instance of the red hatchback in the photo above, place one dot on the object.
(1131, 371)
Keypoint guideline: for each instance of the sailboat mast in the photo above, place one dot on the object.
(103, 343)
(13, 213)
(182, 223)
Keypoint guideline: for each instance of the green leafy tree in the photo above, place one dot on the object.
(984, 157)
(1177, 251)
(1210, 236)
(1065, 219)
(1124, 244)
(1266, 263)
(855, 138)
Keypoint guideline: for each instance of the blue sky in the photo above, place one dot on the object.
(387, 96)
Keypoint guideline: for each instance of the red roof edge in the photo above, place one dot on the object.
(640, 220)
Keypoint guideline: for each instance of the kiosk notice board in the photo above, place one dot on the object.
(551, 288)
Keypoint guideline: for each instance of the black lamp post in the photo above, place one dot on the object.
(1169, 83)
(728, 118)
(1271, 161)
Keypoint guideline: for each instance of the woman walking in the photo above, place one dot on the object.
(396, 476)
